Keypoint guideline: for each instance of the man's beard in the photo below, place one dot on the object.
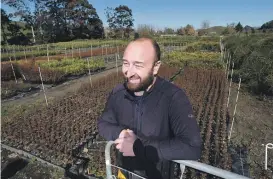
(142, 86)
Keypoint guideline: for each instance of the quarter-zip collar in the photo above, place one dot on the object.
(131, 96)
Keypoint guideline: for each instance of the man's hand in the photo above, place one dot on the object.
(123, 133)
(125, 142)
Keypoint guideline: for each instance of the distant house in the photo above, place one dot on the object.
(247, 29)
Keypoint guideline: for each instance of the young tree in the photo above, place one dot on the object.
(252, 30)
(120, 20)
(145, 30)
(189, 30)
(202, 32)
(181, 31)
(230, 29)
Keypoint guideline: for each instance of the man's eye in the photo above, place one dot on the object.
(139, 66)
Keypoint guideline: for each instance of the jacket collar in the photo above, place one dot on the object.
(130, 95)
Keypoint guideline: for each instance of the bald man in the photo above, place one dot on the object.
(150, 119)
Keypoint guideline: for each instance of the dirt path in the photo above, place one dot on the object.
(61, 90)
(253, 129)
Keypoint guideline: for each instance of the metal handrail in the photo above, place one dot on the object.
(183, 163)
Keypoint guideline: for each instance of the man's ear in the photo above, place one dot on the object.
(156, 67)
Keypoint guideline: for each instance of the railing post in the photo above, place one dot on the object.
(108, 160)
(267, 146)
(183, 163)
(182, 168)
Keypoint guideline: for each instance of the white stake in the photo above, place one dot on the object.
(43, 85)
(234, 110)
(228, 65)
(229, 89)
(25, 54)
(117, 63)
(47, 52)
(90, 78)
(13, 70)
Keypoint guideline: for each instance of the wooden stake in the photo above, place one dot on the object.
(234, 112)
(13, 70)
(43, 85)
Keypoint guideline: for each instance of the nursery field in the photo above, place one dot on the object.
(66, 129)
(59, 132)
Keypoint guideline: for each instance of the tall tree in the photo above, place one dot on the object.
(205, 24)
(23, 12)
(267, 25)
(168, 30)
(52, 19)
(83, 20)
(239, 28)
(120, 20)
(5, 22)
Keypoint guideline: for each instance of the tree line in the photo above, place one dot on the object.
(60, 20)
(66, 20)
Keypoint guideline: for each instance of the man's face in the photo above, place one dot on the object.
(138, 66)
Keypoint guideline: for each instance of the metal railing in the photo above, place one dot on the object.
(183, 163)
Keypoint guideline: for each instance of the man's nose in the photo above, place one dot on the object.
(130, 71)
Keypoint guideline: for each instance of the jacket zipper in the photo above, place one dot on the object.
(139, 114)
(138, 119)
